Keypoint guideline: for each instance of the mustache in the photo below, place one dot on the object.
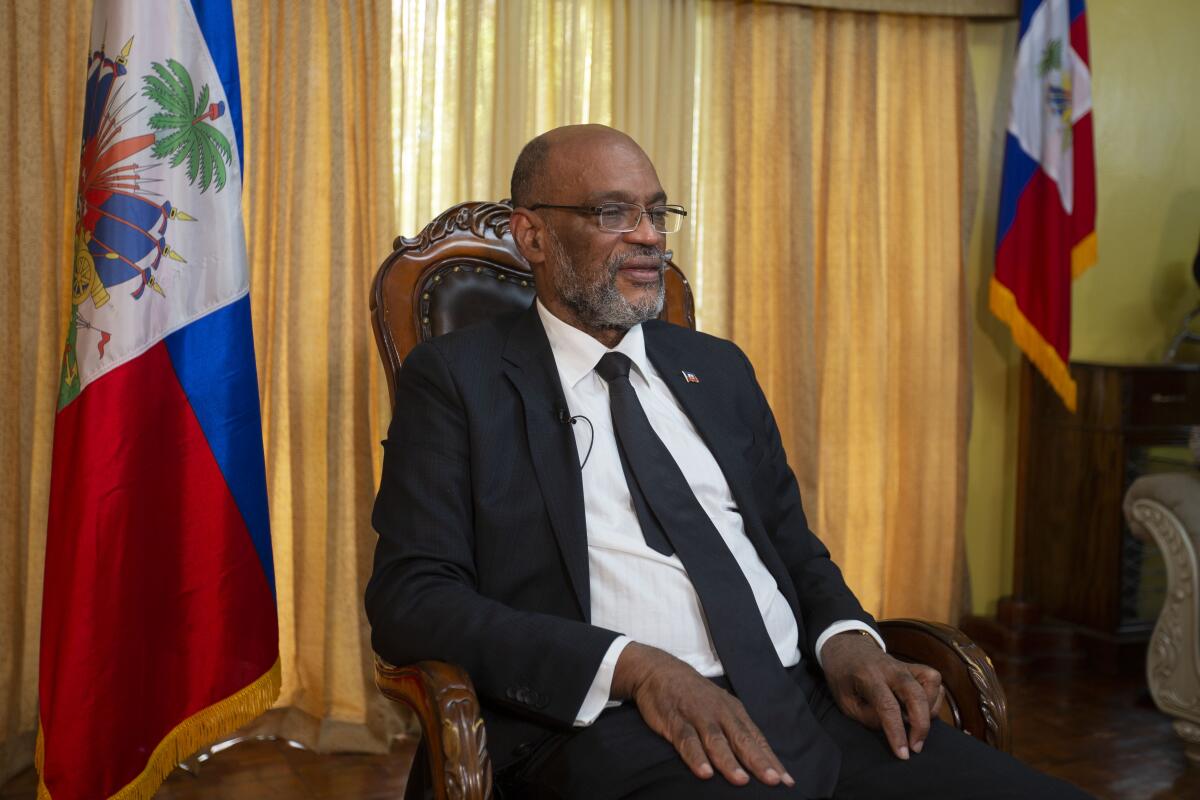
(662, 256)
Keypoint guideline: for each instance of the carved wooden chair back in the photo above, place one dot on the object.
(462, 268)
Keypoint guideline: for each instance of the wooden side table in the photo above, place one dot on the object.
(1080, 578)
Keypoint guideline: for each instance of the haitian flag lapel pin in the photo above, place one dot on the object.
(690, 377)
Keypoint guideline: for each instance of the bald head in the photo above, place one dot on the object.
(600, 280)
(550, 158)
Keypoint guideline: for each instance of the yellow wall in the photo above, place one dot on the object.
(1145, 63)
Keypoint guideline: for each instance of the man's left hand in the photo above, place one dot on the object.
(880, 692)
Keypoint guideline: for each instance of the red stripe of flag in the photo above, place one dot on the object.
(151, 583)
(1040, 235)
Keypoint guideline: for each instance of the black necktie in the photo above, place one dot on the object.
(751, 662)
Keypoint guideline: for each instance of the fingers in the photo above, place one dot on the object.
(886, 708)
(936, 708)
(910, 694)
(718, 749)
(687, 743)
(754, 752)
(708, 727)
(916, 704)
(930, 680)
(724, 740)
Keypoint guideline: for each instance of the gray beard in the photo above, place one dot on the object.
(601, 305)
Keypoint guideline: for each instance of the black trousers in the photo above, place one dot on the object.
(620, 757)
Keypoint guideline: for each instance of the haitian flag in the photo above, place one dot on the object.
(1046, 234)
(159, 622)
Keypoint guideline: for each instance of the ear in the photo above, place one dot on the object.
(529, 235)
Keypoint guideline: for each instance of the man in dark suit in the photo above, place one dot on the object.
(591, 511)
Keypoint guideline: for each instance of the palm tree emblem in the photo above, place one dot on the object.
(184, 132)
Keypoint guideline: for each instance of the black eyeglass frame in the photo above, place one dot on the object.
(599, 211)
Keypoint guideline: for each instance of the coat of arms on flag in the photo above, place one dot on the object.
(159, 623)
(1045, 236)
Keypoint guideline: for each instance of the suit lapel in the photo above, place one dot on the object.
(529, 365)
(700, 402)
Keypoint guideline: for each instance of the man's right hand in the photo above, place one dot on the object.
(706, 724)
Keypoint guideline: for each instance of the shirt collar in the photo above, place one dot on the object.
(576, 353)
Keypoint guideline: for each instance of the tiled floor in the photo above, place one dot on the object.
(1101, 733)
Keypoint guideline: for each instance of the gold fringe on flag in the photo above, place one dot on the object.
(1004, 305)
(197, 731)
(1083, 255)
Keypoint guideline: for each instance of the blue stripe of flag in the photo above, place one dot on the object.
(1076, 8)
(214, 361)
(1019, 169)
(1028, 7)
(216, 24)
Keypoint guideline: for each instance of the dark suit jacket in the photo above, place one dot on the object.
(482, 555)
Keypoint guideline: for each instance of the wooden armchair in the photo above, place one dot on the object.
(462, 268)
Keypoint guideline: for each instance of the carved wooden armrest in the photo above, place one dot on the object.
(975, 700)
(452, 758)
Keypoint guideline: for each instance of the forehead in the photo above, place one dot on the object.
(597, 171)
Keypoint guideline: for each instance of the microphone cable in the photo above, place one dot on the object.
(564, 417)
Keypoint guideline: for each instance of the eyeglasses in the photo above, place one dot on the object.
(625, 217)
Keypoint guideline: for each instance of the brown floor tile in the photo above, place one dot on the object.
(1102, 733)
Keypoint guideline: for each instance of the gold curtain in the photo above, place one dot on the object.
(318, 201)
(891, 379)
(41, 113)
(754, 203)
(474, 81)
(831, 220)
(953, 8)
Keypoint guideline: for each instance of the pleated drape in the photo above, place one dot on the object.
(753, 205)
(45, 45)
(830, 231)
(890, 379)
(474, 81)
(318, 200)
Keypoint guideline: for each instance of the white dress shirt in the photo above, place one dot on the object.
(635, 589)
